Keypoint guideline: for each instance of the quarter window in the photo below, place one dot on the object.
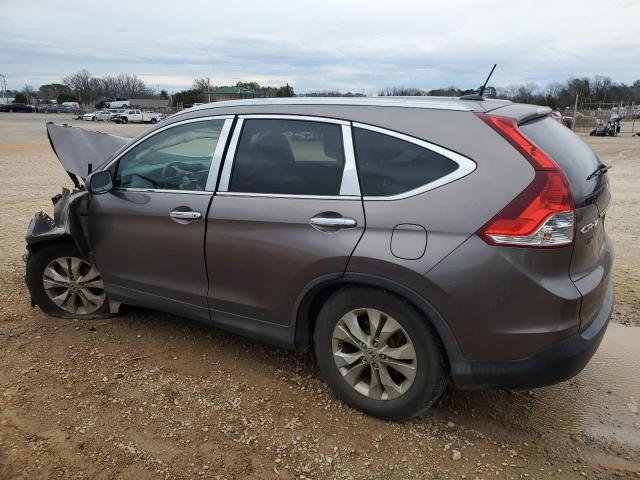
(178, 158)
(288, 157)
(389, 166)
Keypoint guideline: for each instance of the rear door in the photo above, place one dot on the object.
(592, 259)
(148, 233)
(287, 212)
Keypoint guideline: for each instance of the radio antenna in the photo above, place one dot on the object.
(481, 91)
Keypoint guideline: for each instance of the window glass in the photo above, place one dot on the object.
(288, 157)
(568, 150)
(389, 166)
(175, 159)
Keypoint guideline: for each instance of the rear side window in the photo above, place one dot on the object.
(390, 166)
(288, 157)
(571, 154)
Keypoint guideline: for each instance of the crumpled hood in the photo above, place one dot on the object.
(76, 148)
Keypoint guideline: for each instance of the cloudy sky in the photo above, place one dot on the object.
(318, 45)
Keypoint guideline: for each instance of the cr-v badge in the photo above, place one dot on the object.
(589, 226)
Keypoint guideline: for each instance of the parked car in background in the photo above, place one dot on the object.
(136, 116)
(118, 102)
(100, 115)
(408, 243)
(17, 107)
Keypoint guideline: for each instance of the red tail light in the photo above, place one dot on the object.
(542, 215)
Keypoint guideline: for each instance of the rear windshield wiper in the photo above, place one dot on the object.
(601, 170)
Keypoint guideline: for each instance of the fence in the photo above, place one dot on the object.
(589, 115)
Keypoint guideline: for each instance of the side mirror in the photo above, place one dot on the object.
(100, 182)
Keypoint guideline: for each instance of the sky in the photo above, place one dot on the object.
(346, 45)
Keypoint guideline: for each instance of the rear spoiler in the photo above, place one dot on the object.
(79, 150)
(522, 112)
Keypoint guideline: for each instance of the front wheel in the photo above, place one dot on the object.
(125, 120)
(378, 353)
(63, 283)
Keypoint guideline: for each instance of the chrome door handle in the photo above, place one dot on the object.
(185, 215)
(332, 223)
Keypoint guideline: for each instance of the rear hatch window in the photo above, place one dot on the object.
(571, 154)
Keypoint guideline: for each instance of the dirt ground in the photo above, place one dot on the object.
(147, 395)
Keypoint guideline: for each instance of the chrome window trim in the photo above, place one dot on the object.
(288, 116)
(350, 184)
(161, 190)
(216, 161)
(230, 157)
(465, 165)
(162, 129)
(287, 195)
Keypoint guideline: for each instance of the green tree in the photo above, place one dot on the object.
(286, 91)
(66, 97)
(164, 94)
(20, 98)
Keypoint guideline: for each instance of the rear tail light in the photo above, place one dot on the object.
(542, 215)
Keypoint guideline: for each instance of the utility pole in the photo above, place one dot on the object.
(3, 79)
(208, 90)
(575, 114)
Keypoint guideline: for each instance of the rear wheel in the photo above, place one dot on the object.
(153, 120)
(378, 353)
(63, 283)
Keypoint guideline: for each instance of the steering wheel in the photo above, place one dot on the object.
(175, 166)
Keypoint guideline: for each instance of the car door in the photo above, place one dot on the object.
(287, 213)
(147, 234)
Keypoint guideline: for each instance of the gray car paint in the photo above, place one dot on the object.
(145, 257)
(76, 148)
(495, 303)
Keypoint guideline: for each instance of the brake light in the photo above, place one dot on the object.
(543, 214)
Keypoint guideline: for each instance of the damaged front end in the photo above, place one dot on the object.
(69, 220)
(79, 151)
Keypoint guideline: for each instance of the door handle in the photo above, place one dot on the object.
(332, 223)
(181, 215)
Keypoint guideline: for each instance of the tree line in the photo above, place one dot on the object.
(590, 91)
(199, 91)
(84, 88)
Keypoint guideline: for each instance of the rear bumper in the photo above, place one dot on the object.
(558, 362)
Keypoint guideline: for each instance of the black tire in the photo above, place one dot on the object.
(125, 120)
(93, 119)
(153, 120)
(36, 265)
(431, 372)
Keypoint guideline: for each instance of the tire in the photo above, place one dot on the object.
(423, 354)
(51, 262)
(125, 120)
(153, 120)
(93, 119)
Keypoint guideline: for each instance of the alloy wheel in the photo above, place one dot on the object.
(374, 354)
(74, 285)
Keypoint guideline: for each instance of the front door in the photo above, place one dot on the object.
(288, 212)
(148, 233)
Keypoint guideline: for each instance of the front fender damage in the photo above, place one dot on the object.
(69, 222)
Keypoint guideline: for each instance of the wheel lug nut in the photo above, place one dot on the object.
(383, 357)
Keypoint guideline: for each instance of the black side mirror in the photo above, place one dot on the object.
(100, 182)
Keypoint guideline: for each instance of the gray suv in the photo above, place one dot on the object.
(406, 242)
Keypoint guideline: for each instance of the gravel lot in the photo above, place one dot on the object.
(150, 395)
